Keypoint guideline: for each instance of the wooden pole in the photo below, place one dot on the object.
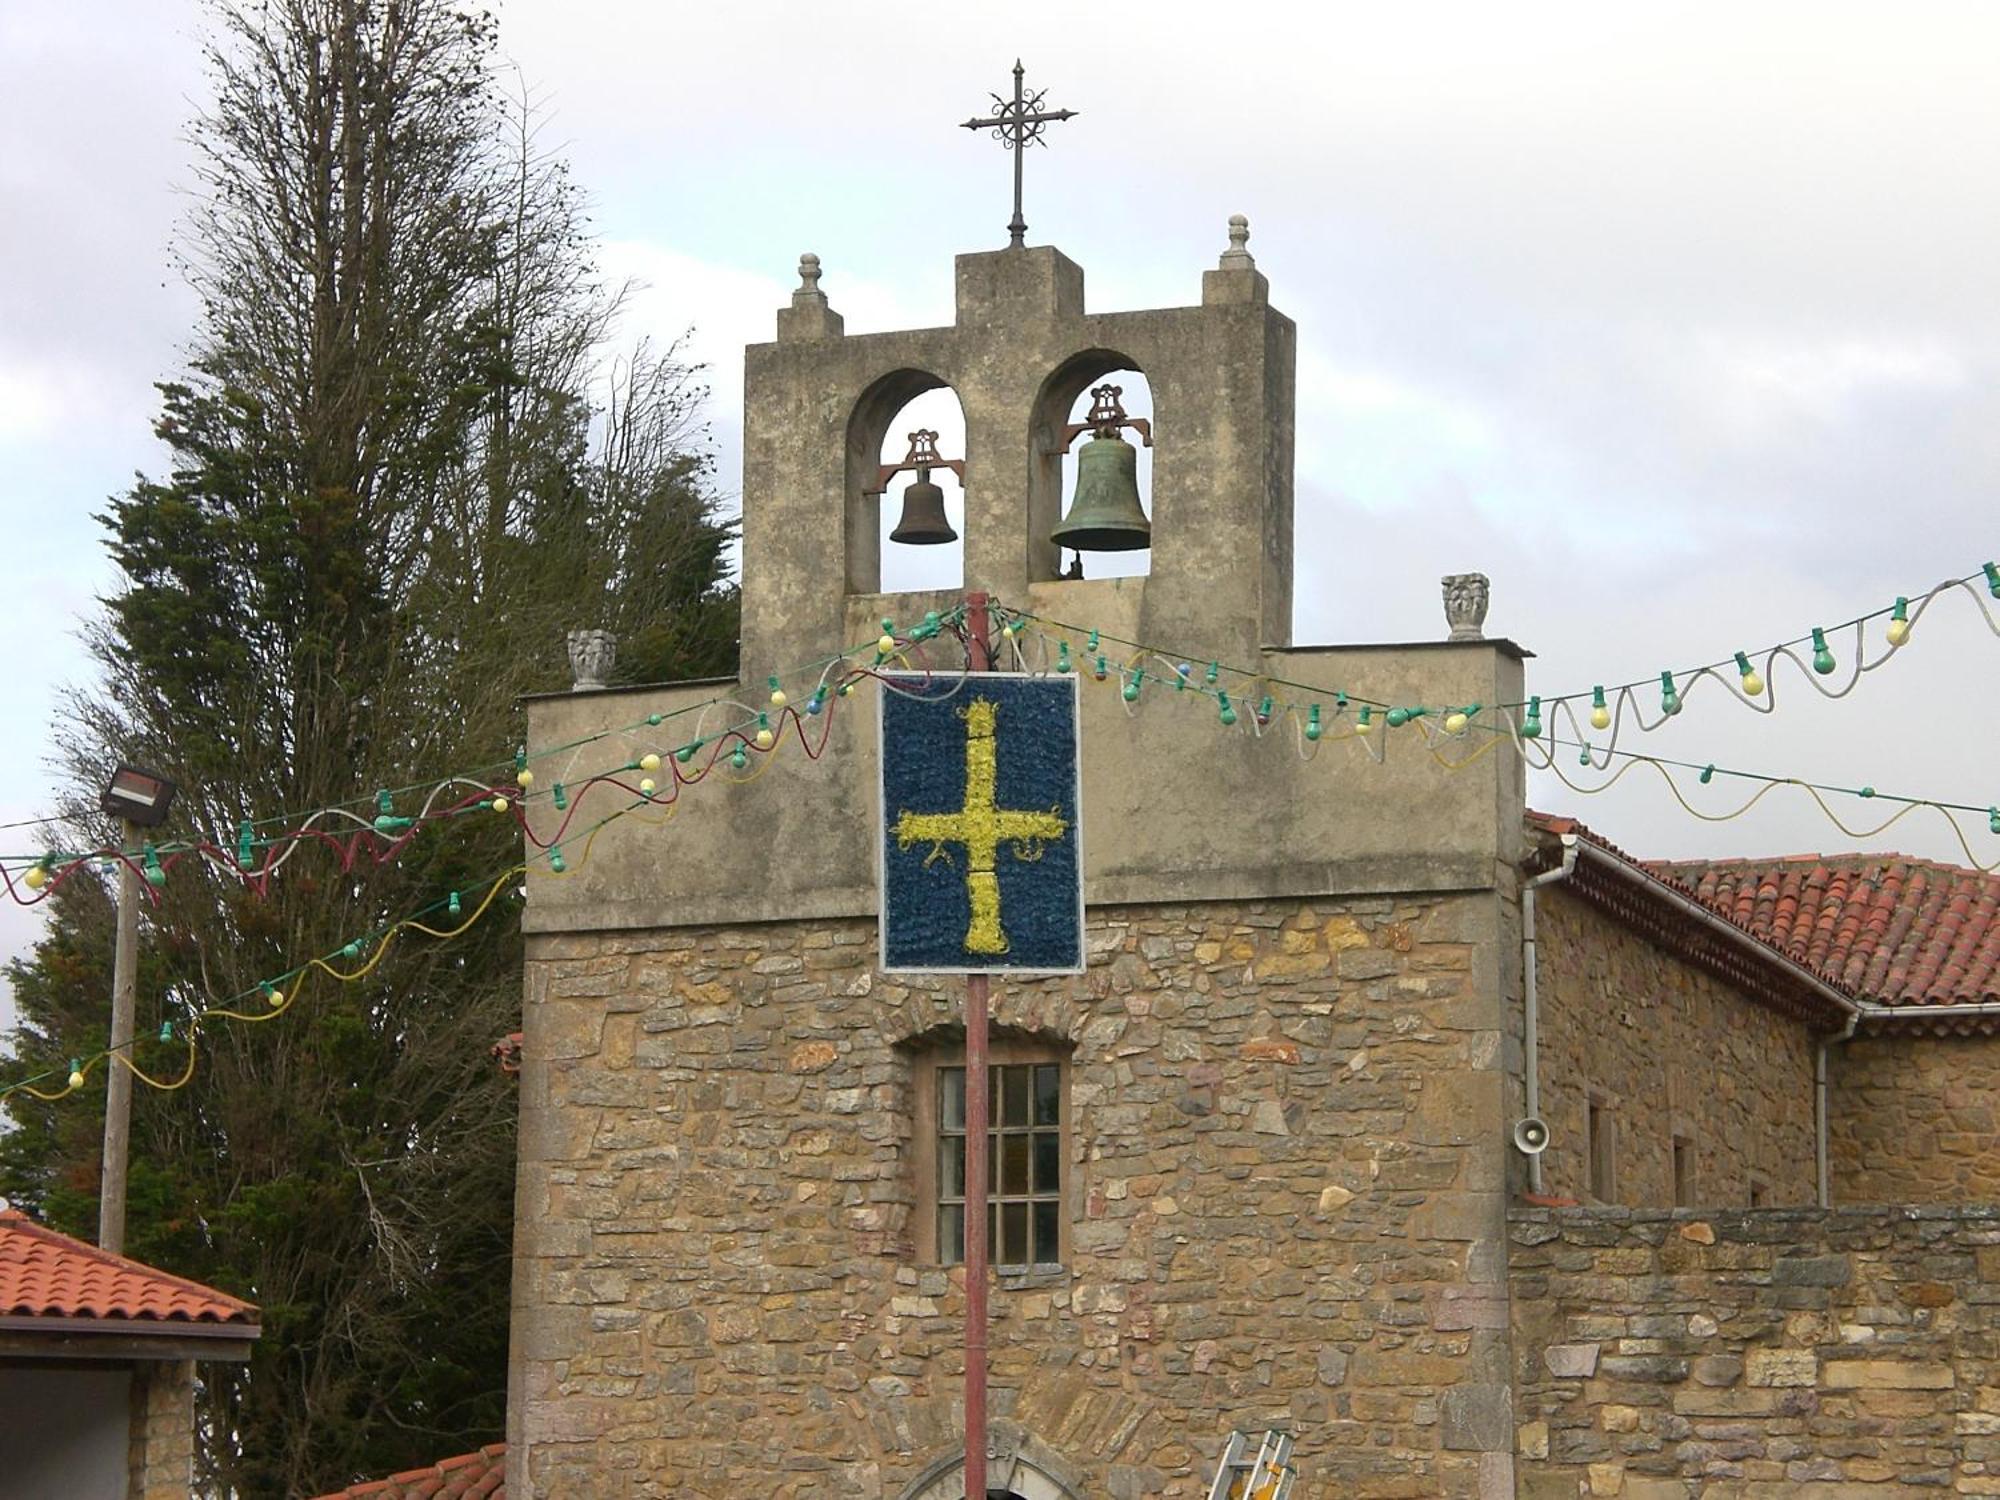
(117, 1075)
(977, 1000)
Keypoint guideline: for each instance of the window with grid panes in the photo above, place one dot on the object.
(1025, 1152)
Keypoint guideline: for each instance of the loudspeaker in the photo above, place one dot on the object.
(1531, 1136)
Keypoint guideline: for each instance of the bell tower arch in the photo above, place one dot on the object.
(1021, 348)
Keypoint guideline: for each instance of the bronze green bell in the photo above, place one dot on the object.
(1104, 513)
(923, 522)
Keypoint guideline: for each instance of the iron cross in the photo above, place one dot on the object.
(1018, 124)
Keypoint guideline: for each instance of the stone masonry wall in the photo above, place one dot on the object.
(1669, 1050)
(1284, 1196)
(1915, 1119)
(161, 1450)
(1836, 1354)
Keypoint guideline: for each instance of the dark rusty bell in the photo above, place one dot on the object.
(1104, 513)
(923, 523)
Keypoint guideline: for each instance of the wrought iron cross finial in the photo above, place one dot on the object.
(1019, 123)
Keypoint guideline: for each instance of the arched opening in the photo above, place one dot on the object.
(1066, 401)
(880, 434)
(1009, 1476)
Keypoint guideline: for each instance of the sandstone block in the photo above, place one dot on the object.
(1886, 1375)
(1571, 1361)
(1768, 1367)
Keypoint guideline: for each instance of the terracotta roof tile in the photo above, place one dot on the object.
(1884, 928)
(470, 1476)
(48, 1275)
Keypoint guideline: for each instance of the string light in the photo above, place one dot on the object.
(1898, 630)
(1670, 698)
(1823, 662)
(1600, 713)
(383, 836)
(778, 698)
(1747, 675)
(1531, 725)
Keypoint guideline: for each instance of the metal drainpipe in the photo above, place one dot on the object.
(1531, 1021)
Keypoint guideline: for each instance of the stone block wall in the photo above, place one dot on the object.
(1839, 1354)
(161, 1463)
(1285, 1197)
(1668, 1050)
(1915, 1119)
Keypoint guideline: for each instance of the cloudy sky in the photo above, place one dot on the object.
(1679, 321)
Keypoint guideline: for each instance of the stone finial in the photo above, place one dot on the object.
(1235, 277)
(1237, 257)
(591, 656)
(808, 293)
(1465, 599)
(809, 316)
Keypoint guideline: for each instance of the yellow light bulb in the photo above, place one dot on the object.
(76, 1078)
(1752, 684)
(37, 877)
(525, 777)
(646, 785)
(276, 997)
(1454, 723)
(763, 739)
(649, 762)
(886, 645)
(1899, 632)
(1600, 717)
(500, 804)
(778, 698)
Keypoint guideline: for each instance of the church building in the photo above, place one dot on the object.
(1477, 1156)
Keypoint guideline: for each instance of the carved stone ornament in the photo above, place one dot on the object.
(1465, 600)
(591, 656)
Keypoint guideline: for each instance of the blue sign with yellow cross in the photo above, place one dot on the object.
(982, 860)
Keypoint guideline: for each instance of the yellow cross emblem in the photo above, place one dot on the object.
(982, 826)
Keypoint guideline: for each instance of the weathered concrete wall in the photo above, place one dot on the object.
(1284, 1195)
(1915, 1119)
(1794, 1352)
(1669, 1050)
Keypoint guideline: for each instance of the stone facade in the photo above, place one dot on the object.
(1802, 1353)
(161, 1466)
(1666, 1050)
(1915, 1119)
(1284, 1194)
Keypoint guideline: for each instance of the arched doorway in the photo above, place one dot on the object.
(1024, 1473)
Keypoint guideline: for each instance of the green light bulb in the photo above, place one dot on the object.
(246, 845)
(1228, 714)
(1097, 668)
(1823, 662)
(1670, 698)
(1707, 774)
(559, 795)
(1398, 717)
(166, 1031)
(1993, 580)
(1062, 657)
(452, 905)
(1132, 687)
(738, 759)
(1531, 726)
(1213, 672)
(556, 861)
(1312, 723)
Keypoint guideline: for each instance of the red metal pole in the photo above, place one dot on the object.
(976, 1111)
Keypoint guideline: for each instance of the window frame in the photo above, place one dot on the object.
(927, 1072)
(1600, 1137)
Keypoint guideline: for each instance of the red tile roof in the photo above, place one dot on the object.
(1660, 906)
(1882, 928)
(470, 1476)
(48, 1275)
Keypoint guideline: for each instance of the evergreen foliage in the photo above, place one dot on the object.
(392, 490)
